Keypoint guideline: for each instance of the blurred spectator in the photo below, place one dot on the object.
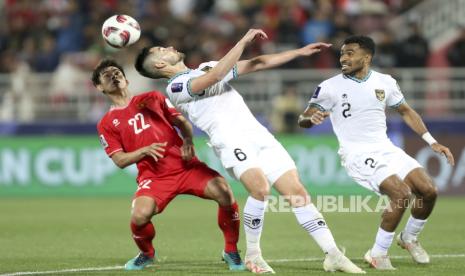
(367, 16)
(290, 20)
(48, 57)
(414, 50)
(17, 95)
(456, 53)
(286, 110)
(318, 28)
(386, 50)
(70, 32)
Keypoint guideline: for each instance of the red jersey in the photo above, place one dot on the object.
(145, 120)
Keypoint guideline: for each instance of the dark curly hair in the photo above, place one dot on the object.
(101, 66)
(364, 42)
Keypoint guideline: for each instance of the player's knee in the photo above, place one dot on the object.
(405, 193)
(222, 191)
(298, 190)
(402, 196)
(430, 194)
(261, 192)
(141, 215)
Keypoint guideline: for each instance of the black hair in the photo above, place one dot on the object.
(364, 42)
(139, 65)
(101, 66)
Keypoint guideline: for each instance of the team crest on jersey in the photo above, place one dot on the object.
(176, 87)
(380, 94)
(206, 68)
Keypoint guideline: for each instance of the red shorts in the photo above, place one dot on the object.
(191, 181)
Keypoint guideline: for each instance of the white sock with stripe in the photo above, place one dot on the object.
(313, 222)
(254, 213)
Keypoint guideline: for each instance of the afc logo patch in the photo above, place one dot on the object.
(176, 87)
(103, 142)
(380, 94)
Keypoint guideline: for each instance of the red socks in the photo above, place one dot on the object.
(143, 236)
(229, 223)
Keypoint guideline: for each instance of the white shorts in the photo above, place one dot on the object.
(254, 151)
(371, 168)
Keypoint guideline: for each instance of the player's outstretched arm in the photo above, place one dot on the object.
(414, 121)
(274, 60)
(185, 128)
(312, 116)
(123, 159)
(225, 64)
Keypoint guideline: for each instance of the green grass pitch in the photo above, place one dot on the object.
(92, 236)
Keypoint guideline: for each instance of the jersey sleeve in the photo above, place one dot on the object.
(232, 74)
(178, 90)
(321, 98)
(395, 96)
(108, 138)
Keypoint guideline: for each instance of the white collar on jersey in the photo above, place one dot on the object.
(358, 80)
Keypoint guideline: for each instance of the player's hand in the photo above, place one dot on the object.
(155, 150)
(252, 34)
(444, 151)
(187, 150)
(313, 48)
(318, 117)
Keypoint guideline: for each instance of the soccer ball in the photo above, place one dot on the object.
(120, 31)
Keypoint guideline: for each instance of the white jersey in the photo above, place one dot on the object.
(220, 111)
(357, 108)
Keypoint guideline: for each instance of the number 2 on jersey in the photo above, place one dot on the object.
(372, 164)
(346, 110)
(138, 122)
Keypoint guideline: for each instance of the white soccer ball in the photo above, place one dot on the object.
(120, 31)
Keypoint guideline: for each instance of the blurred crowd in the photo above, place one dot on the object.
(42, 34)
(63, 38)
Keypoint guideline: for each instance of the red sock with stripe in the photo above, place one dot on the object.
(143, 236)
(229, 223)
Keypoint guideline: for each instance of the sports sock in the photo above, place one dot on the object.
(254, 212)
(382, 243)
(313, 222)
(413, 229)
(229, 222)
(143, 236)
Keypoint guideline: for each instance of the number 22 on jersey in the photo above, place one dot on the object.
(138, 122)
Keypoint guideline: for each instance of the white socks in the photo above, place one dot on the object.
(382, 243)
(384, 239)
(312, 221)
(254, 212)
(412, 229)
